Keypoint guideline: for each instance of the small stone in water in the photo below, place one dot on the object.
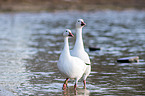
(94, 48)
(128, 59)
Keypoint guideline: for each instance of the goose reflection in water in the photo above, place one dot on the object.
(79, 92)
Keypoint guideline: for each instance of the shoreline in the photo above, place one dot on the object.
(68, 5)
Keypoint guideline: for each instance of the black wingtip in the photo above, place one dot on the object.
(87, 64)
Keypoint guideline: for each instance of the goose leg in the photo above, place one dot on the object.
(88, 70)
(65, 84)
(84, 84)
(84, 80)
(66, 81)
(75, 86)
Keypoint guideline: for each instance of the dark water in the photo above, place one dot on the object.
(30, 45)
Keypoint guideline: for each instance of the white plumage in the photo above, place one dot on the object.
(79, 51)
(71, 67)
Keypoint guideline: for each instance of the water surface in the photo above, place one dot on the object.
(30, 45)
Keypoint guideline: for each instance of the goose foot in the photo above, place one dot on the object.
(65, 84)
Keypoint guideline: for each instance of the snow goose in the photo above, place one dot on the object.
(79, 51)
(70, 67)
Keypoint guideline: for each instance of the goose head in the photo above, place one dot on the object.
(68, 33)
(80, 23)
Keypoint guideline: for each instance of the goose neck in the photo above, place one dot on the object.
(79, 40)
(66, 47)
(79, 33)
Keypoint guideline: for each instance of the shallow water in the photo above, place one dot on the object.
(30, 44)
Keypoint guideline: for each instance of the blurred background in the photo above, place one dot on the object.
(31, 42)
(83, 5)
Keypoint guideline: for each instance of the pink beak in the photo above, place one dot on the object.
(70, 34)
(83, 24)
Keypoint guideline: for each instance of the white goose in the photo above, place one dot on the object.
(70, 67)
(79, 51)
